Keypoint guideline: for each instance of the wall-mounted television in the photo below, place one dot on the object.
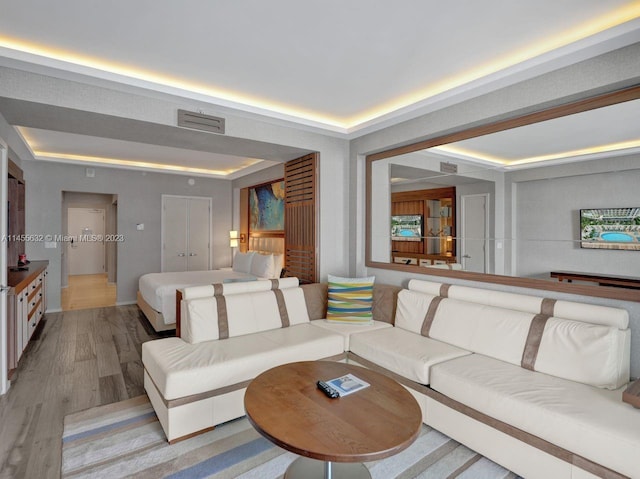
(610, 228)
(406, 227)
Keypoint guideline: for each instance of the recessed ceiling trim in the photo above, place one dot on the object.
(67, 63)
(129, 164)
(615, 29)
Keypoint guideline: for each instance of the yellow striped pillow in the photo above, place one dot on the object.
(350, 300)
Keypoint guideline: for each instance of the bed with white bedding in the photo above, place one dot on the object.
(157, 291)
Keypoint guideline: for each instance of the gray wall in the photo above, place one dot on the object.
(17, 149)
(139, 201)
(262, 176)
(548, 211)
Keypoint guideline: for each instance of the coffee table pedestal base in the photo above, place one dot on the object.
(305, 468)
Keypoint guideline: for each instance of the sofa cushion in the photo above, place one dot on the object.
(403, 352)
(584, 352)
(227, 289)
(180, 369)
(350, 300)
(589, 313)
(496, 332)
(589, 353)
(588, 421)
(347, 330)
(315, 297)
(214, 317)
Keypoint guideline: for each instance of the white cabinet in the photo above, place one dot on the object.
(34, 309)
(26, 308)
(186, 233)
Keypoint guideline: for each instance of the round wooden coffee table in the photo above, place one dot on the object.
(285, 406)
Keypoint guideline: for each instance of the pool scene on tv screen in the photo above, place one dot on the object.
(610, 228)
(406, 227)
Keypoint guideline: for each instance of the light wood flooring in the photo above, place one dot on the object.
(88, 291)
(75, 360)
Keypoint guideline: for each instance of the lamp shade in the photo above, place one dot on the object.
(233, 239)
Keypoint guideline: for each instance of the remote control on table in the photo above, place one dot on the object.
(328, 390)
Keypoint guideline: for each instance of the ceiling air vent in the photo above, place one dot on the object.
(446, 167)
(200, 121)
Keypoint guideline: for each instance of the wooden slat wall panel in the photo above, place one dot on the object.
(301, 259)
(244, 220)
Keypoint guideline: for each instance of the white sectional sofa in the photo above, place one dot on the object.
(532, 383)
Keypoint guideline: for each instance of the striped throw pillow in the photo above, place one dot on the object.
(350, 300)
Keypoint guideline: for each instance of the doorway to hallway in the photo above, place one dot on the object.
(89, 260)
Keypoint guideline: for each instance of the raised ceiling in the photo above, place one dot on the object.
(343, 67)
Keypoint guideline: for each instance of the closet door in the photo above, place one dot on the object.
(174, 233)
(199, 228)
(186, 233)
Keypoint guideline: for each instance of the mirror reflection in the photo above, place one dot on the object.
(561, 195)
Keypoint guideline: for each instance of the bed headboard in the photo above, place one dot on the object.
(268, 244)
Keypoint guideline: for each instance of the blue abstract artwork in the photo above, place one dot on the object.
(266, 207)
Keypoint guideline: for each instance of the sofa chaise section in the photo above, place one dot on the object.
(591, 422)
(230, 335)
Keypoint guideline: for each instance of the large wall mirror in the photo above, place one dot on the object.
(527, 201)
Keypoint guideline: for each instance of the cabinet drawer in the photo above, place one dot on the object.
(403, 260)
(24, 318)
(33, 322)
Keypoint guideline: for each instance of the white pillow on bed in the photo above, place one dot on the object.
(242, 262)
(262, 265)
(278, 264)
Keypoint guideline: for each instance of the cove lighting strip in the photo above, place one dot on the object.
(163, 82)
(53, 156)
(42, 155)
(592, 150)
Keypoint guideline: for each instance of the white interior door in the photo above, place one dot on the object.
(174, 233)
(199, 229)
(4, 380)
(474, 233)
(87, 252)
(186, 233)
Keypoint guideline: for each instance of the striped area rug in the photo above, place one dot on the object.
(125, 439)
